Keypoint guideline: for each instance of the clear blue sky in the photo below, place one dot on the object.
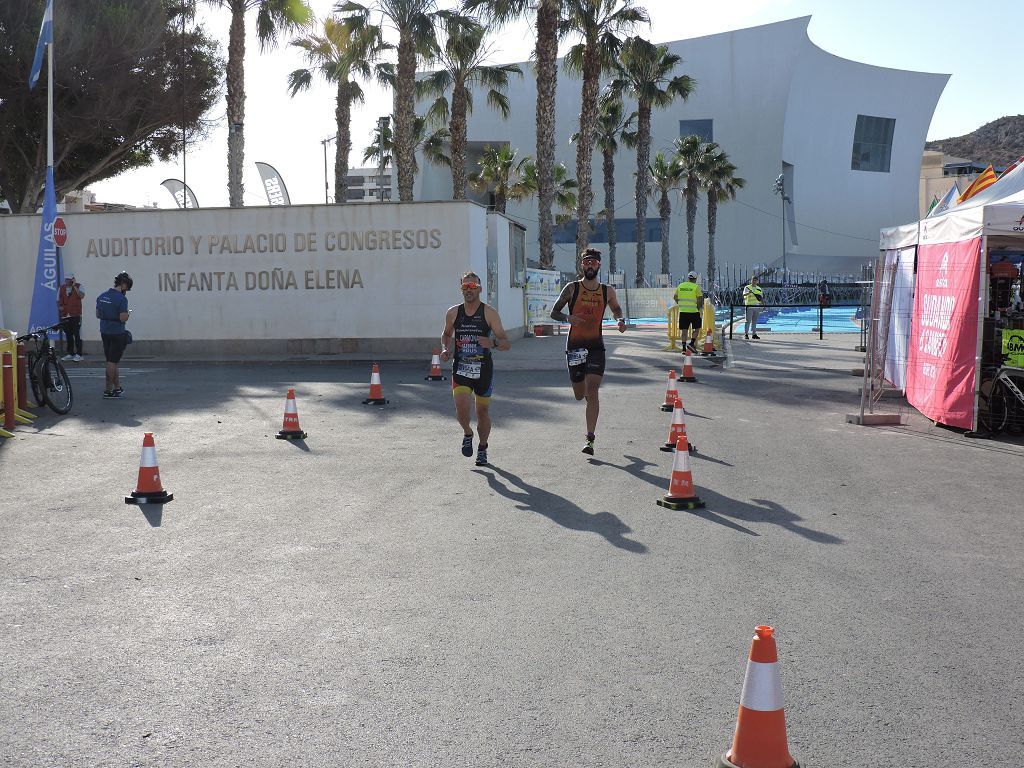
(935, 36)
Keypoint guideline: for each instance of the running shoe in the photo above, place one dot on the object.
(119, 392)
(77, 358)
(589, 448)
(481, 457)
(467, 445)
(68, 357)
(755, 336)
(112, 394)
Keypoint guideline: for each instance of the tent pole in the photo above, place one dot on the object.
(982, 311)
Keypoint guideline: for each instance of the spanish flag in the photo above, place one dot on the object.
(984, 181)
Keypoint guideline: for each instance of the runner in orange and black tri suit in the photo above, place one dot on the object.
(584, 349)
(471, 325)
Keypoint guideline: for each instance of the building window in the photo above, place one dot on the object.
(705, 129)
(355, 181)
(517, 253)
(872, 143)
(625, 231)
(355, 194)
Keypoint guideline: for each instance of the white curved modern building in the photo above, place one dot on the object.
(848, 137)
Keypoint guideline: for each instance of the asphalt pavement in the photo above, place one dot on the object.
(369, 597)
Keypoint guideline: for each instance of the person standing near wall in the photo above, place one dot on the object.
(112, 311)
(753, 300)
(688, 298)
(471, 326)
(824, 293)
(69, 305)
(584, 348)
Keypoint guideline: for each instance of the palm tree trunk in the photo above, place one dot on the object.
(585, 145)
(665, 209)
(691, 224)
(499, 200)
(405, 114)
(548, 14)
(343, 116)
(643, 159)
(712, 226)
(608, 163)
(236, 105)
(457, 131)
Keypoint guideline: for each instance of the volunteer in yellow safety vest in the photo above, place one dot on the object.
(753, 299)
(689, 298)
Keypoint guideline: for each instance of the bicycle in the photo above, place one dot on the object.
(48, 379)
(1001, 400)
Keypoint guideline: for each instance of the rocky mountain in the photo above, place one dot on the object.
(1000, 142)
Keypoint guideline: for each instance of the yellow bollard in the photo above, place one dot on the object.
(673, 329)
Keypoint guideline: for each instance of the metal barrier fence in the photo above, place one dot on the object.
(739, 317)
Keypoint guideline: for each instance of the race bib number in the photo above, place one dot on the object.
(468, 370)
(577, 356)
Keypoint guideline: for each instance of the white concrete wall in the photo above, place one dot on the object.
(265, 279)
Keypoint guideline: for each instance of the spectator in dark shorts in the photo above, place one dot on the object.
(69, 304)
(112, 311)
(689, 298)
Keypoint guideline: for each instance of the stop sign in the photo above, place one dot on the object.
(60, 232)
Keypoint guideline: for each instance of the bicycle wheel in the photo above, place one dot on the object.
(32, 363)
(56, 386)
(992, 410)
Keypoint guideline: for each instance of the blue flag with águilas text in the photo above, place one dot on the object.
(44, 290)
(45, 39)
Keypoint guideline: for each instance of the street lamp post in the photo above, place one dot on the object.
(382, 126)
(779, 188)
(325, 142)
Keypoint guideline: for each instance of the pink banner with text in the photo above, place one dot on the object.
(944, 332)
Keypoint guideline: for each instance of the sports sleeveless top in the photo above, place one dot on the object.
(590, 305)
(467, 328)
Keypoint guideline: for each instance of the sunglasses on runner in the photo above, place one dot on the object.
(470, 286)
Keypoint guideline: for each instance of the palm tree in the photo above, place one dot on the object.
(693, 154)
(462, 58)
(564, 189)
(666, 173)
(503, 174)
(414, 22)
(600, 24)
(382, 149)
(272, 17)
(612, 125)
(646, 75)
(548, 23)
(345, 48)
(721, 185)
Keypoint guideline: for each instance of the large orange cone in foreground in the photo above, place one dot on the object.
(709, 344)
(376, 390)
(760, 740)
(671, 392)
(291, 429)
(435, 368)
(688, 369)
(677, 429)
(681, 493)
(150, 490)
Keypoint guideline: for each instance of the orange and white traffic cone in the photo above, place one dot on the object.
(760, 740)
(291, 429)
(681, 493)
(709, 344)
(671, 392)
(678, 429)
(435, 368)
(150, 490)
(687, 369)
(376, 390)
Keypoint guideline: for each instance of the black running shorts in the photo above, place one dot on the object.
(114, 345)
(583, 361)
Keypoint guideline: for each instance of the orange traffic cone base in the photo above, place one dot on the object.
(724, 762)
(290, 434)
(671, 448)
(156, 497)
(375, 401)
(693, 502)
(667, 407)
(435, 377)
(688, 378)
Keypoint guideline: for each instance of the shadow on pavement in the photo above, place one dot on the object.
(154, 514)
(560, 510)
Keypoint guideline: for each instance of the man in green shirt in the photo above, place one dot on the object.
(689, 298)
(754, 300)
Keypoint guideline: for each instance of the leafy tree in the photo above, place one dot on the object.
(693, 154)
(272, 17)
(547, 16)
(345, 48)
(720, 184)
(564, 189)
(599, 23)
(665, 173)
(646, 75)
(462, 58)
(127, 81)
